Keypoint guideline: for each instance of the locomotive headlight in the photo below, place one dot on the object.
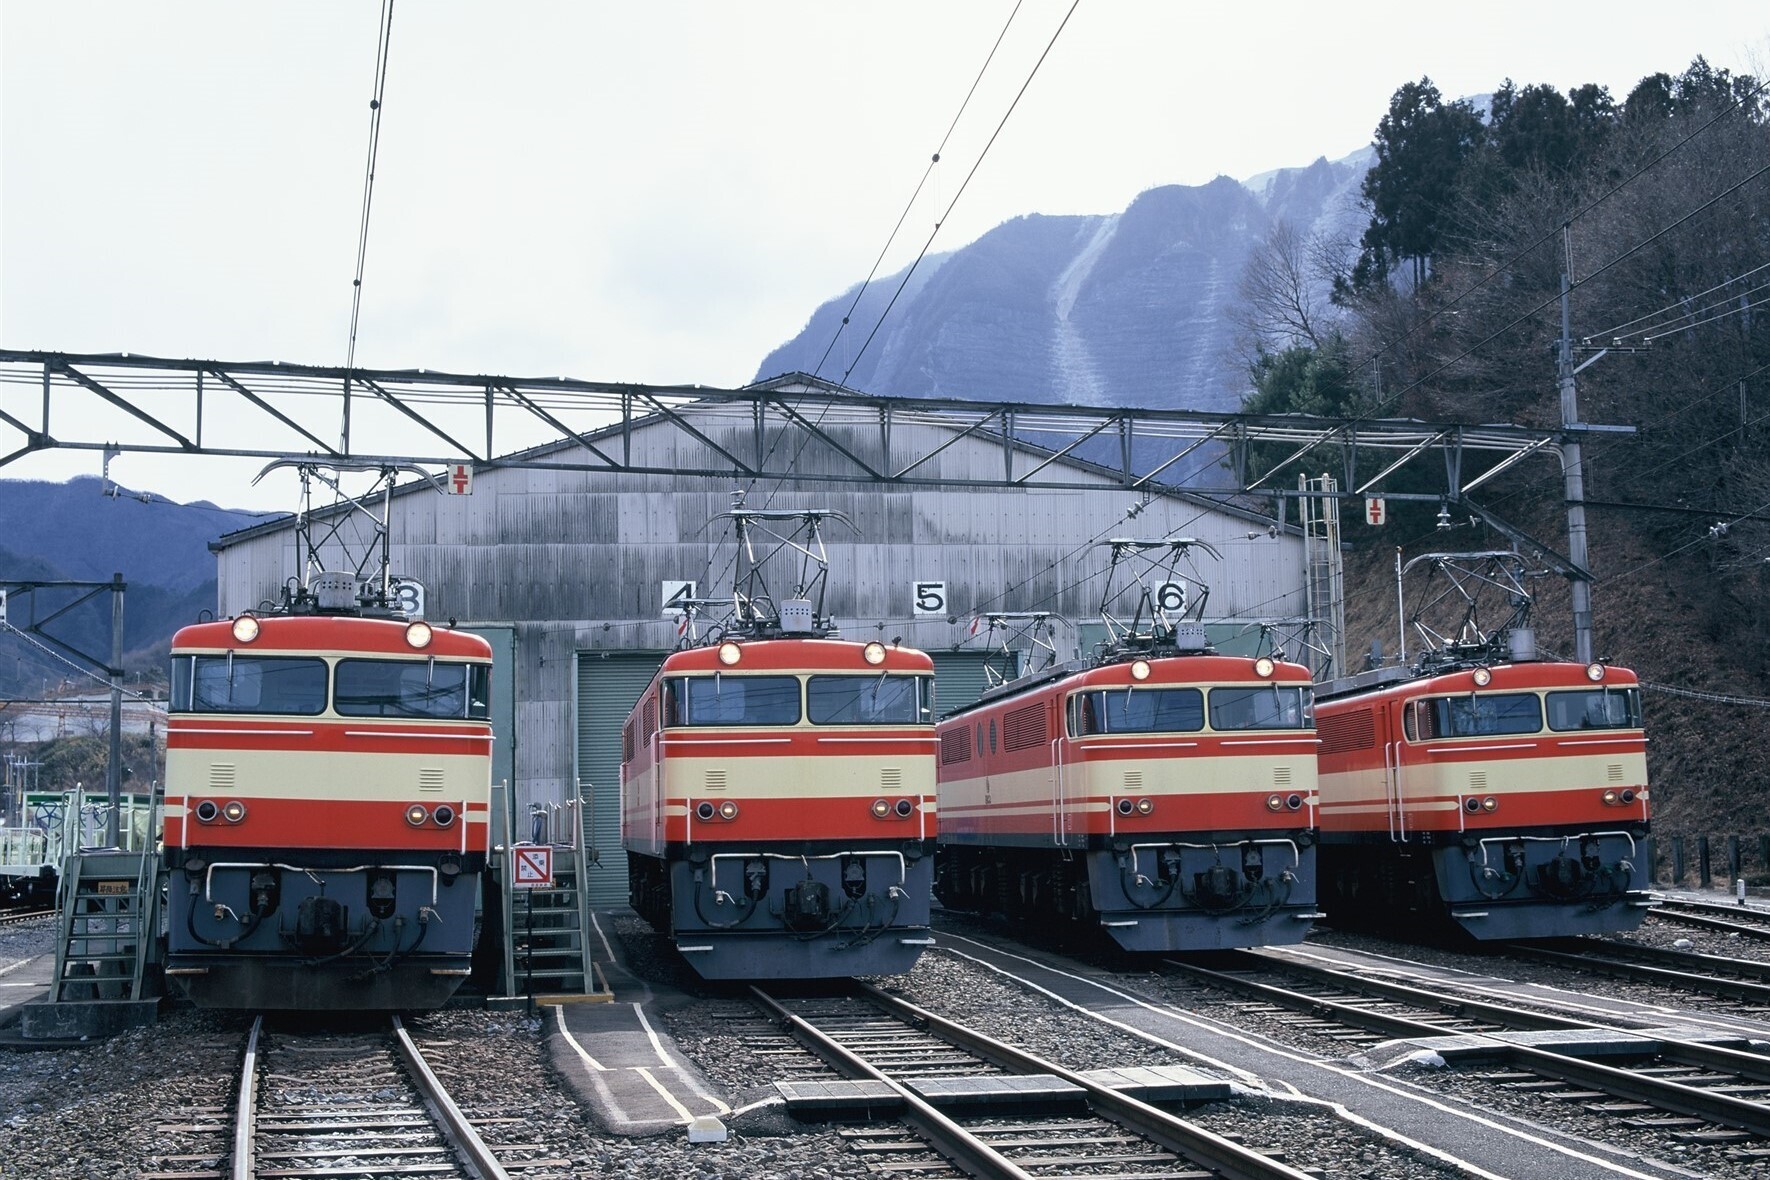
(873, 653)
(1264, 666)
(245, 628)
(1611, 798)
(881, 808)
(418, 633)
(1145, 806)
(234, 811)
(1274, 802)
(1483, 676)
(1490, 804)
(730, 653)
(1140, 670)
(416, 815)
(728, 810)
(1594, 672)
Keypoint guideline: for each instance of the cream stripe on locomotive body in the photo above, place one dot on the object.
(1511, 797)
(778, 806)
(327, 810)
(1191, 830)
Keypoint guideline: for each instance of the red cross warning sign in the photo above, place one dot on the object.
(1375, 510)
(533, 866)
(460, 479)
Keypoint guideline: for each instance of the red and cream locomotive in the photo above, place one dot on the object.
(328, 781)
(777, 789)
(1483, 786)
(1162, 791)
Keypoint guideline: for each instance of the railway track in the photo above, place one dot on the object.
(1745, 921)
(345, 1105)
(1709, 1093)
(1743, 982)
(20, 917)
(927, 1067)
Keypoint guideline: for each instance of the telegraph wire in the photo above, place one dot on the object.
(384, 38)
(926, 173)
(978, 163)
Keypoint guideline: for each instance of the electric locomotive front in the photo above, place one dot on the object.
(1510, 799)
(778, 807)
(1170, 799)
(327, 810)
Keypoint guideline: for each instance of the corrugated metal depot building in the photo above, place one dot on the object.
(564, 570)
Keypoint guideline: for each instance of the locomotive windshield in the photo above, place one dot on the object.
(1477, 715)
(1269, 706)
(410, 688)
(869, 700)
(1137, 710)
(248, 684)
(1595, 708)
(731, 700)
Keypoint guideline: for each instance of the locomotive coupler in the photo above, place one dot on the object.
(806, 906)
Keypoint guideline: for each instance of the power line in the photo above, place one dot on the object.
(926, 173)
(384, 35)
(1613, 333)
(978, 163)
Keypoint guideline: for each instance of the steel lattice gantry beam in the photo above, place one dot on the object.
(123, 403)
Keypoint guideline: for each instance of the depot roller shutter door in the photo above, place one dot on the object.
(608, 684)
(958, 679)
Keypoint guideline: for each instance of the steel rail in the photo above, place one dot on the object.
(460, 1133)
(1669, 1096)
(945, 1136)
(1706, 917)
(246, 1108)
(1727, 989)
(1223, 1156)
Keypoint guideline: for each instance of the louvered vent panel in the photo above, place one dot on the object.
(1613, 772)
(1478, 780)
(430, 778)
(1133, 780)
(221, 776)
(1281, 776)
(1024, 727)
(955, 746)
(891, 778)
(1341, 732)
(715, 780)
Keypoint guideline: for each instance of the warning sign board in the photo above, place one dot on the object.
(533, 867)
(1376, 511)
(460, 479)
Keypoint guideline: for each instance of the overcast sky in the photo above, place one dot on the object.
(654, 191)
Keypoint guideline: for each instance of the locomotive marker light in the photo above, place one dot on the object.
(881, 808)
(245, 628)
(207, 811)
(443, 815)
(730, 653)
(904, 807)
(416, 815)
(728, 810)
(234, 812)
(1145, 806)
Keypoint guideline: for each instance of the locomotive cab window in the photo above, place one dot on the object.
(1595, 708)
(248, 684)
(411, 688)
(1266, 706)
(869, 700)
(1479, 715)
(736, 700)
(1137, 710)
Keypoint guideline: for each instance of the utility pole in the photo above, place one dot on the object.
(1572, 467)
(113, 773)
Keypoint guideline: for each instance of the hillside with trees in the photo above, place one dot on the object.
(1448, 308)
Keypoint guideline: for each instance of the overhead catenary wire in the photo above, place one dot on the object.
(1619, 330)
(384, 39)
(927, 172)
